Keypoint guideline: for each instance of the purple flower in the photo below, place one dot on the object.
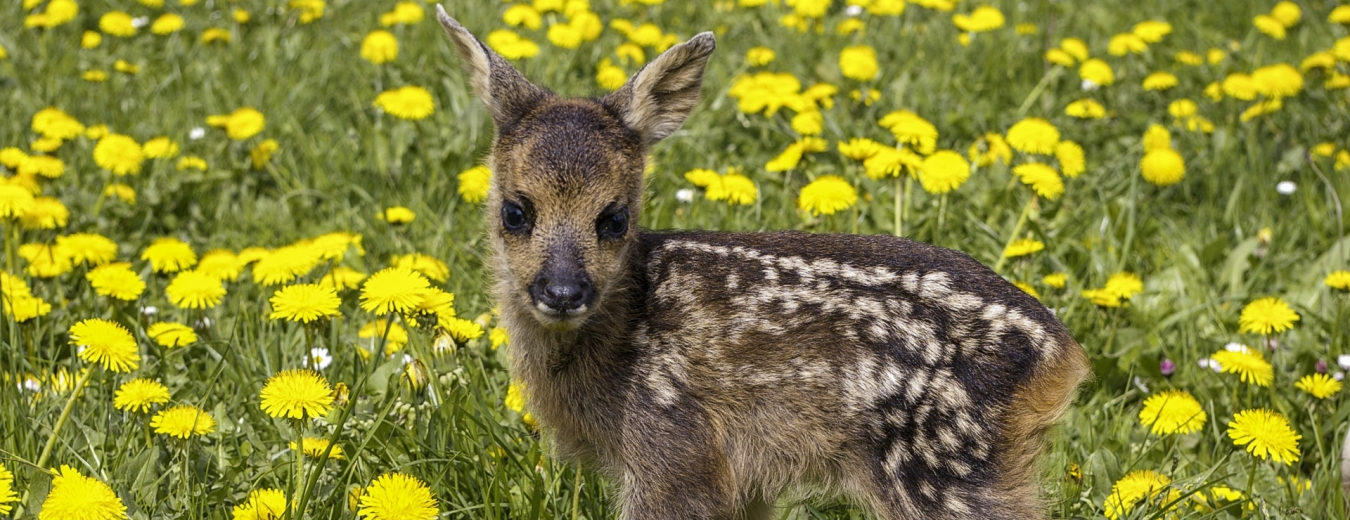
(1167, 367)
(1321, 366)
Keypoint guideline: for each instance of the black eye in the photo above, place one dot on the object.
(514, 218)
(612, 224)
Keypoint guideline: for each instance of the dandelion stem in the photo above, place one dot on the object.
(56, 432)
(299, 471)
(1039, 89)
(1251, 479)
(576, 494)
(1017, 230)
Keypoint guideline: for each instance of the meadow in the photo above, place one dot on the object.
(244, 253)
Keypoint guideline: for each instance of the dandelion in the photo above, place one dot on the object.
(394, 289)
(262, 504)
(7, 494)
(1070, 157)
(1320, 386)
(215, 35)
(46, 166)
(1338, 280)
(117, 281)
(379, 47)
(1059, 57)
(498, 337)
(761, 56)
(1023, 247)
(91, 40)
(191, 162)
(1151, 31)
(984, 18)
(1043, 179)
(241, 124)
(943, 171)
(474, 183)
(309, 10)
(15, 202)
(342, 278)
(1034, 135)
(1124, 285)
(1056, 280)
(523, 15)
(610, 76)
(296, 394)
(411, 103)
(1160, 81)
(1277, 81)
(511, 45)
(1267, 316)
(183, 421)
(809, 123)
(286, 264)
(1097, 72)
(1247, 364)
(88, 248)
(463, 330)
(1189, 58)
(1265, 434)
(404, 13)
(126, 67)
(1269, 25)
(395, 496)
(1239, 86)
(394, 336)
(138, 395)
(46, 260)
(260, 155)
(912, 130)
(195, 290)
(117, 23)
(119, 154)
(1131, 489)
(859, 62)
(167, 23)
(1085, 109)
(315, 447)
(734, 188)
(1172, 412)
(827, 195)
(169, 255)
(1163, 167)
(995, 149)
(76, 497)
(1027, 288)
(106, 343)
(171, 335)
(305, 303)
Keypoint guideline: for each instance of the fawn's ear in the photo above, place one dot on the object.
(507, 94)
(656, 100)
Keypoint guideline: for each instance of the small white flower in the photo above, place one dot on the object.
(1236, 347)
(853, 10)
(1286, 187)
(1210, 364)
(140, 21)
(32, 385)
(1339, 376)
(320, 358)
(149, 310)
(1089, 85)
(1139, 383)
(407, 359)
(1344, 361)
(205, 323)
(685, 195)
(196, 133)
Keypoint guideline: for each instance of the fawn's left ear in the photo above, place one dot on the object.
(657, 100)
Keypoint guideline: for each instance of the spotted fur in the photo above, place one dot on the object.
(712, 372)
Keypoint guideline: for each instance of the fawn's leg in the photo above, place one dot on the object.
(673, 469)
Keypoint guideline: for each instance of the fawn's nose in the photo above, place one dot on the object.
(562, 294)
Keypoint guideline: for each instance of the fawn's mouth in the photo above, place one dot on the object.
(560, 320)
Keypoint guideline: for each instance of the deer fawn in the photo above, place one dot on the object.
(709, 372)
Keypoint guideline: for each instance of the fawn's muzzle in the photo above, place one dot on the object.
(562, 293)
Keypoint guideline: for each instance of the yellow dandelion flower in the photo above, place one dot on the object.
(515, 397)
(1163, 167)
(46, 260)
(262, 504)
(1160, 81)
(395, 496)
(990, 148)
(171, 335)
(315, 447)
(1085, 109)
(827, 195)
(1103, 298)
(309, 10)
(1124, 285)
(88, 248)
(1320, 386)
(1287, 13)
(411, 103)
(761, 56)
(523, 15)
(809, 123)
(241, 16)
(55, 123)
(1265, 434)
(609, 75)
(1189, 58)
(943, 171)
(1059, 57)
(1151, 31)
(1341, 14)
(1172, 412)
(191, 162)
(498, 337)
(379, 47)
(474, 183)
(23, 308)
(429, 266)
(116, 280)
(510, 45)
(1277, 81)
(1023, 247)
(91, 39)
(1033, 135)
(7, 494)
(1075, 47)
(1126, 43)
(1267, 316)
(342, 278)
(1240, 86)
(120, 191)
(1339, 280)
(222, 264)
(297, 394)
(169, 255)
(1043, 179)
(195, 290)
(286, 264)
(397, 215)
(1027, 288)
(138, 395)
(1070, 157)
(46, 166)
(167, 23)
(241, 124)
(404, 13)
(74, 496)
(1140, 485)
(983, 19)
(106, 343)
(1056, 280)
(126, 67)
(734, 188)
(304, 303)
(1182, 108)
(859, 62)
(119, 154)
(1097, 71)
(15, 202)
(117, 23)
(260, 155)
(463, 330)
(912, 130)
(183, 421)
(394, 336)
(1318, 60)
(1269, 25)
(1248, 364)
(394, 289)
(216, 35)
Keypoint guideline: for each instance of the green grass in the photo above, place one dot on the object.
(1194, 244)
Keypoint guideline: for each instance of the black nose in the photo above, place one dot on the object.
(564, 293)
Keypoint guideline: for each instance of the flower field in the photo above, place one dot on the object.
(244, 255)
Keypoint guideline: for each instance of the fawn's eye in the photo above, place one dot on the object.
(514, 218)
(612, 224)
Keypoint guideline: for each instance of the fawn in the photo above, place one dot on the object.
(709, 372)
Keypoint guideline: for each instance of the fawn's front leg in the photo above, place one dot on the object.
(673, 469)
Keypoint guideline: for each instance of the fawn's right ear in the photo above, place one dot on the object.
(507, 94)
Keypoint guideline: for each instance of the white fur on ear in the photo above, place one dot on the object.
(471, 51)
(657, 100)
(507, 94)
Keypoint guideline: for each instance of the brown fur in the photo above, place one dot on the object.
(708, 373)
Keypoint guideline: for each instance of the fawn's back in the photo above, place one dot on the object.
(709, 372)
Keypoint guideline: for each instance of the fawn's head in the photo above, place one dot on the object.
(567, 173)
